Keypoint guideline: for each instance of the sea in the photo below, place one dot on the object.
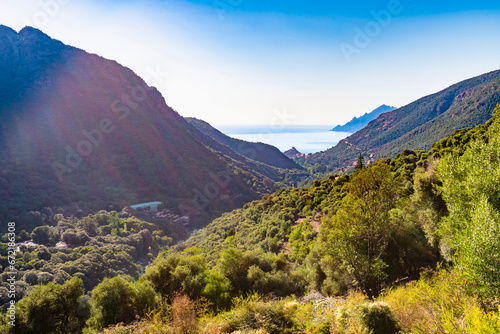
(306, 139)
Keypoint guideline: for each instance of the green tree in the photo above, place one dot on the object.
(52, 308)
(41, 235)
(234, 265)
(183, 273)
(360, 164)
(357, 236)
(217, 289)
(469, 234)
(116, 300)
(427, 202)
(89, 225)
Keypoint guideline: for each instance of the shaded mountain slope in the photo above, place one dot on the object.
(79, 131)
(260, 152)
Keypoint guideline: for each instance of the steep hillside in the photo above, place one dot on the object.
(303, 227)
(260, 152)
(417, 125)
(79, 132)
(268, 223)
(357, 123)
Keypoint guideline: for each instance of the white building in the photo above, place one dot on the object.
(153, 206)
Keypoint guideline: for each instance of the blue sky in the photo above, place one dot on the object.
(288, 62)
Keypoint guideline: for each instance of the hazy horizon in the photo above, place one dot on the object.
(244, 62)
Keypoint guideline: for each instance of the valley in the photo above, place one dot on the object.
(124, 210)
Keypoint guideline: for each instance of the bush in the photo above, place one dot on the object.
(421, 307)
(378, 318)
(184, 316)
(252, 315)
(471, 184)
(479, 322)
(360, 316)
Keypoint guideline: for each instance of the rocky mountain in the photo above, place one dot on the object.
(293, 153)
(79, 133)
(417, 125)
(357, 123)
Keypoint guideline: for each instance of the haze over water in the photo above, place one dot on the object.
(306, 139)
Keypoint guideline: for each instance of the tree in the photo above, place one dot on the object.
(357, 236)
(217, 289)
(469, 234)
(89, 225)
(41, 235)
(113, 301)
(23, 236)
(234, 265)
(44, 235)
(360, 164)
(52, 308)
(427, 202)
(183, 273)
(43, 253)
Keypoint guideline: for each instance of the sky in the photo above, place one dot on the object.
(264, 62)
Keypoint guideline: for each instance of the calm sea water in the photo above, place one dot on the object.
(306, 139)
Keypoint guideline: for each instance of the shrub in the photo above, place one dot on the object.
(424, 306)
(378, 318)
(51, 308)
(253, 314)
(471, 184)
(360, 316)
(184, 316)
(479, 322)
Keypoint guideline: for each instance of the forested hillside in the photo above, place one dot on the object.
(353, 253)
(415, 126)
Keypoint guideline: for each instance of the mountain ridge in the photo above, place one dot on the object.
(260, 152)
(82, 133)
(417, 125)
(357, 123)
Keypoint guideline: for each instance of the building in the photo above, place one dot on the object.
(153, 206)
(61, 244)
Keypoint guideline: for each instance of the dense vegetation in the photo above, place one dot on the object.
(371, 241)
(404, 245)
(95, 247)
(81, 133)
(415, 126)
